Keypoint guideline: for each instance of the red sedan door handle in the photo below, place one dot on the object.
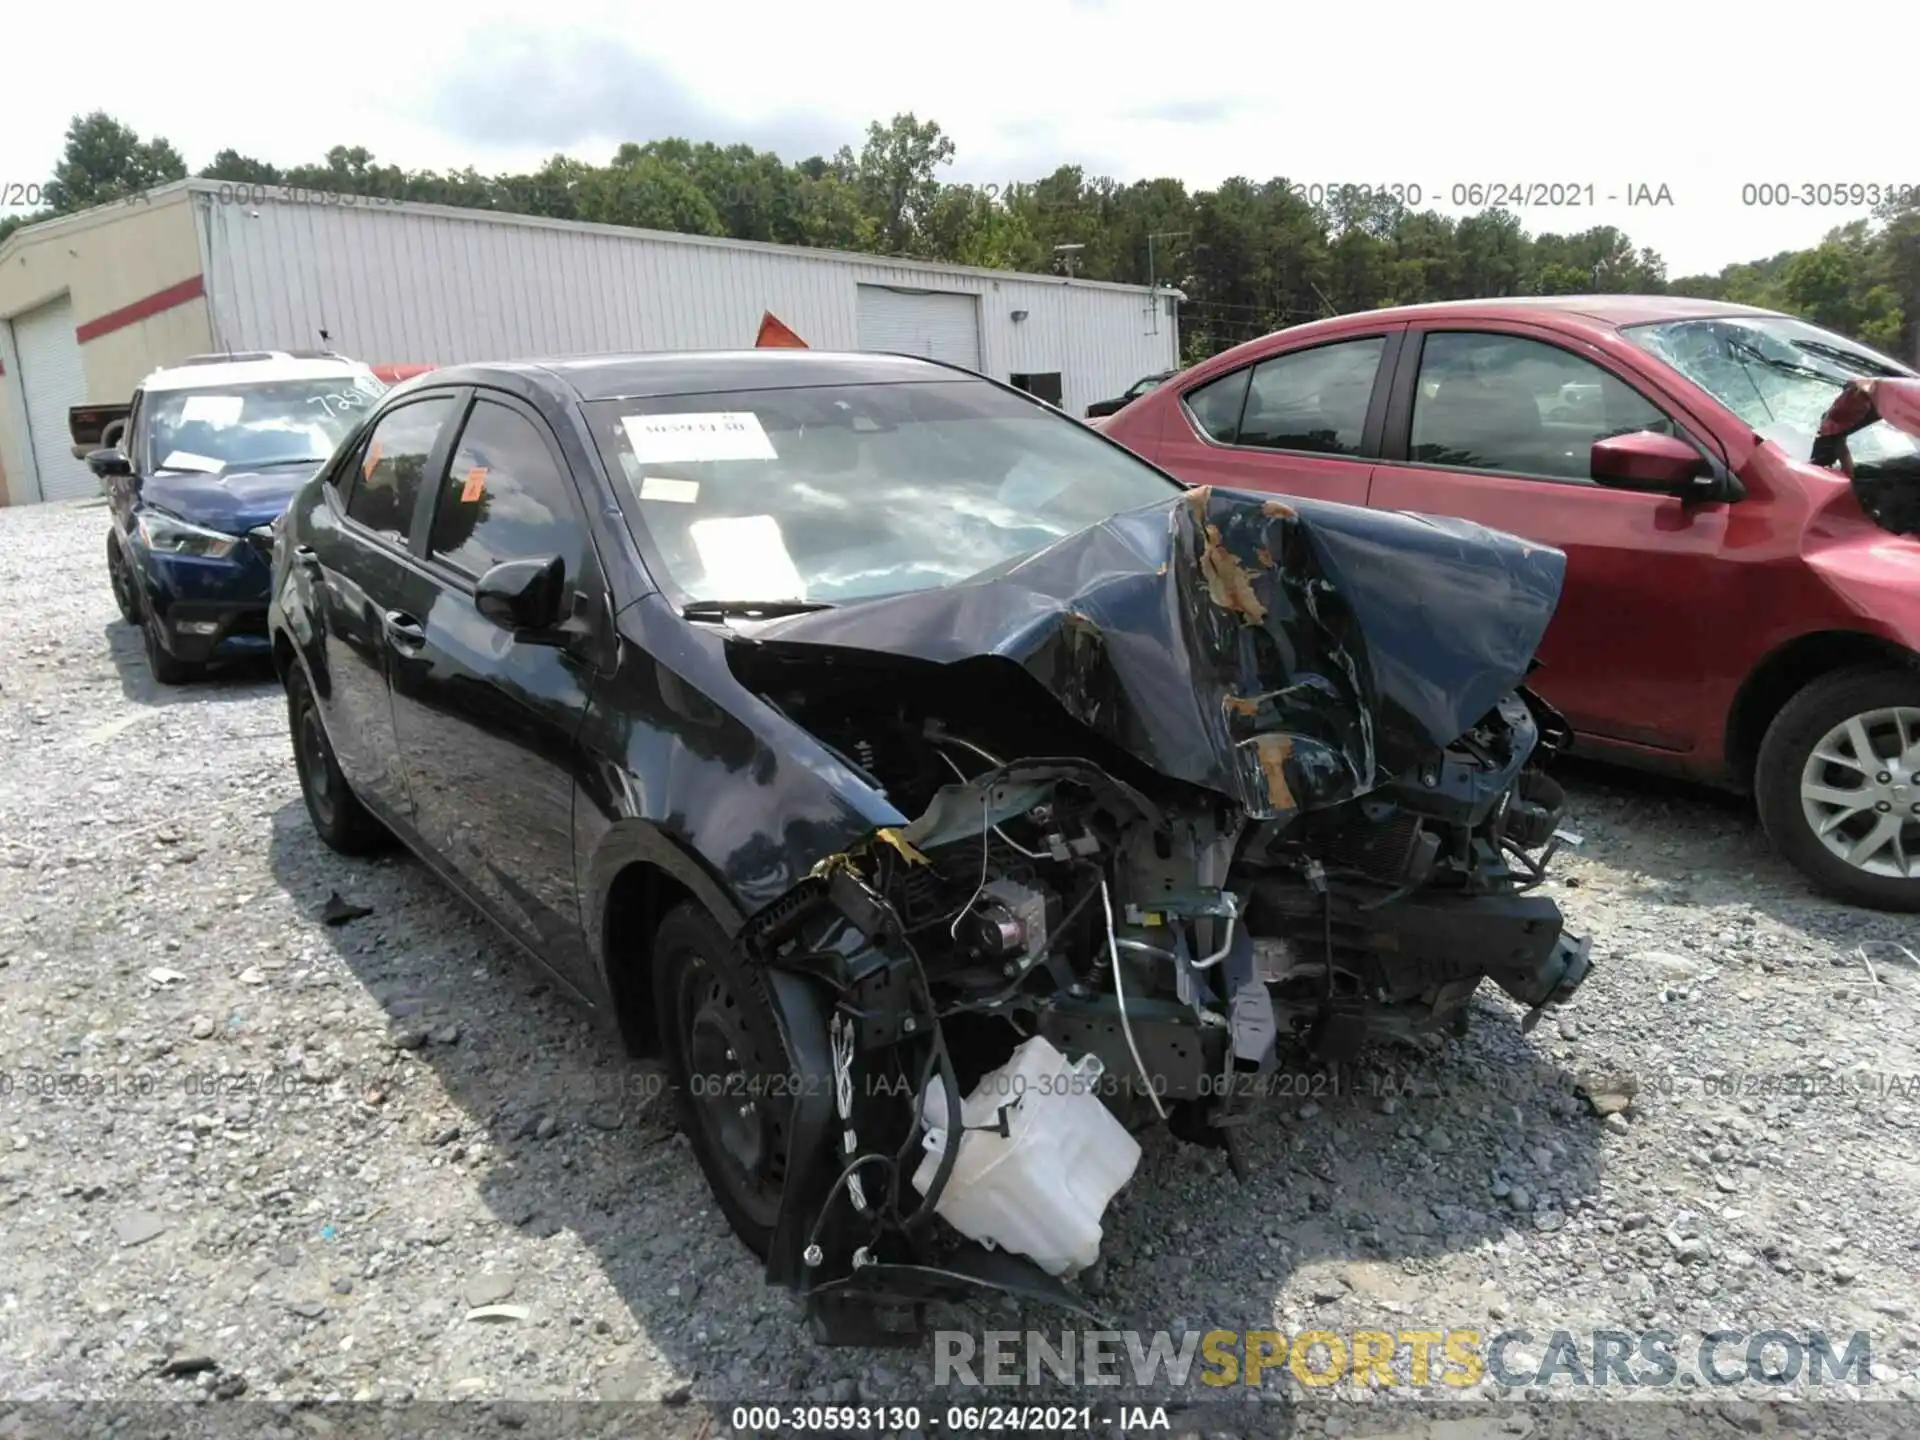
(404, 632)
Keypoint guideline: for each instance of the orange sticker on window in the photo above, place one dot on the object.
(373, 459)
(476, 482)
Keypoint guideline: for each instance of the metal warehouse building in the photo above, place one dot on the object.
(90, 303)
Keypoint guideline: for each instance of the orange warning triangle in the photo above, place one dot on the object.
(776, 336)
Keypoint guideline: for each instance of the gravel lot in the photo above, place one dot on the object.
(306, 1153)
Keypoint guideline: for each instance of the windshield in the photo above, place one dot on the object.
(274, 422)
(837, 493)
(1780, 375)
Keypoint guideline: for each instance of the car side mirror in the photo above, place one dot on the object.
(523, 595)
(1659, 465)
(109, 463)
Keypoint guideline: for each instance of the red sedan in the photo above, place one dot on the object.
(1741, 604)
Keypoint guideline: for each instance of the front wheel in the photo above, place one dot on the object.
(126, 589)
(729, 1068)
(1838, 785)
(167, 668)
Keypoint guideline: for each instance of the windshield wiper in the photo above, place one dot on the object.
(749, 609)
(1786, 367)
(1861, 364)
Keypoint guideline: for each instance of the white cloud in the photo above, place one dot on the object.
(1433, 96)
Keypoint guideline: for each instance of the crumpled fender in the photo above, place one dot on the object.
(1286, 654)
(1892, 502)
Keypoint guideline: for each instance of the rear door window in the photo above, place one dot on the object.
(1216, 405)
(1313, 400)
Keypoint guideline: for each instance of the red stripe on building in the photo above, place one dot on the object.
(154, 304)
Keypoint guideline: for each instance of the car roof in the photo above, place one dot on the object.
(214, 372)
(1610, 310)
(1585, 312)
(694, 372)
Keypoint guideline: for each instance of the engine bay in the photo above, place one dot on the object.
(1053, 888)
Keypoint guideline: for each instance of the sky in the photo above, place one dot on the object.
(1625, 101)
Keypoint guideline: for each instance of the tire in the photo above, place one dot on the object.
(167, 668)
(126, 590)
(1820, 720)
(337, 814)
(719, 1034)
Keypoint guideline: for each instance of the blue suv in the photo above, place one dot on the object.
(210, 453)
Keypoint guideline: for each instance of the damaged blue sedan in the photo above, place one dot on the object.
(943, 792)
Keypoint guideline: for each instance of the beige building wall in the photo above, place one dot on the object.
(133, 274)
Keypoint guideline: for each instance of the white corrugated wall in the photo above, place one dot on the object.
(53, 379)
(426, 284)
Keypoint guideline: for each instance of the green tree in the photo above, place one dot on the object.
(828, 213)
(554, 190)
(968, 226)
(1495, 255)
(649, 194)
(1834, 285)
(1426, 258)
(897, 177)
(232, 165)
(106, 161)
(1251, 256)
(1900, 243)
(753, 191)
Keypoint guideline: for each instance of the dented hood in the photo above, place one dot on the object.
(1285, 654)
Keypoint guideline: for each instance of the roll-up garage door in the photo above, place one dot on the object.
(53, 380)
(936, 323)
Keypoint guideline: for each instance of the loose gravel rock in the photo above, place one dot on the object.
(243, 1148)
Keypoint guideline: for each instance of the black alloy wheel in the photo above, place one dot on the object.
(729, 1067)
(337, 814)
(126, 590)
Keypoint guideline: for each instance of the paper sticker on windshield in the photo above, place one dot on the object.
(709, 435)
(661, 487)
(187, 460)
(213, 409)
(475, 486)
(745, 558)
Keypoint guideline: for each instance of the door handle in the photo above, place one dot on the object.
(403, 631)
(306, 555)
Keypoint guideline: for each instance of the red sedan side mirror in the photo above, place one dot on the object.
(1659, 464)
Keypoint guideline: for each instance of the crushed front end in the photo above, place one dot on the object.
(1208, 786)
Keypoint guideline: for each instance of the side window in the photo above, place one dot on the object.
(1314, 400)
(1216, 405)
(1502, 402)
(390, 468)
(505, 498)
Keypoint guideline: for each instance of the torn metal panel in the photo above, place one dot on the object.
(1891, 500)
(1286, 655)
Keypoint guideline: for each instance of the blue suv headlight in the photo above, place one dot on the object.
(165, 535)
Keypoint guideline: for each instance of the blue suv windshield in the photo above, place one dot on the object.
(272, 422)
